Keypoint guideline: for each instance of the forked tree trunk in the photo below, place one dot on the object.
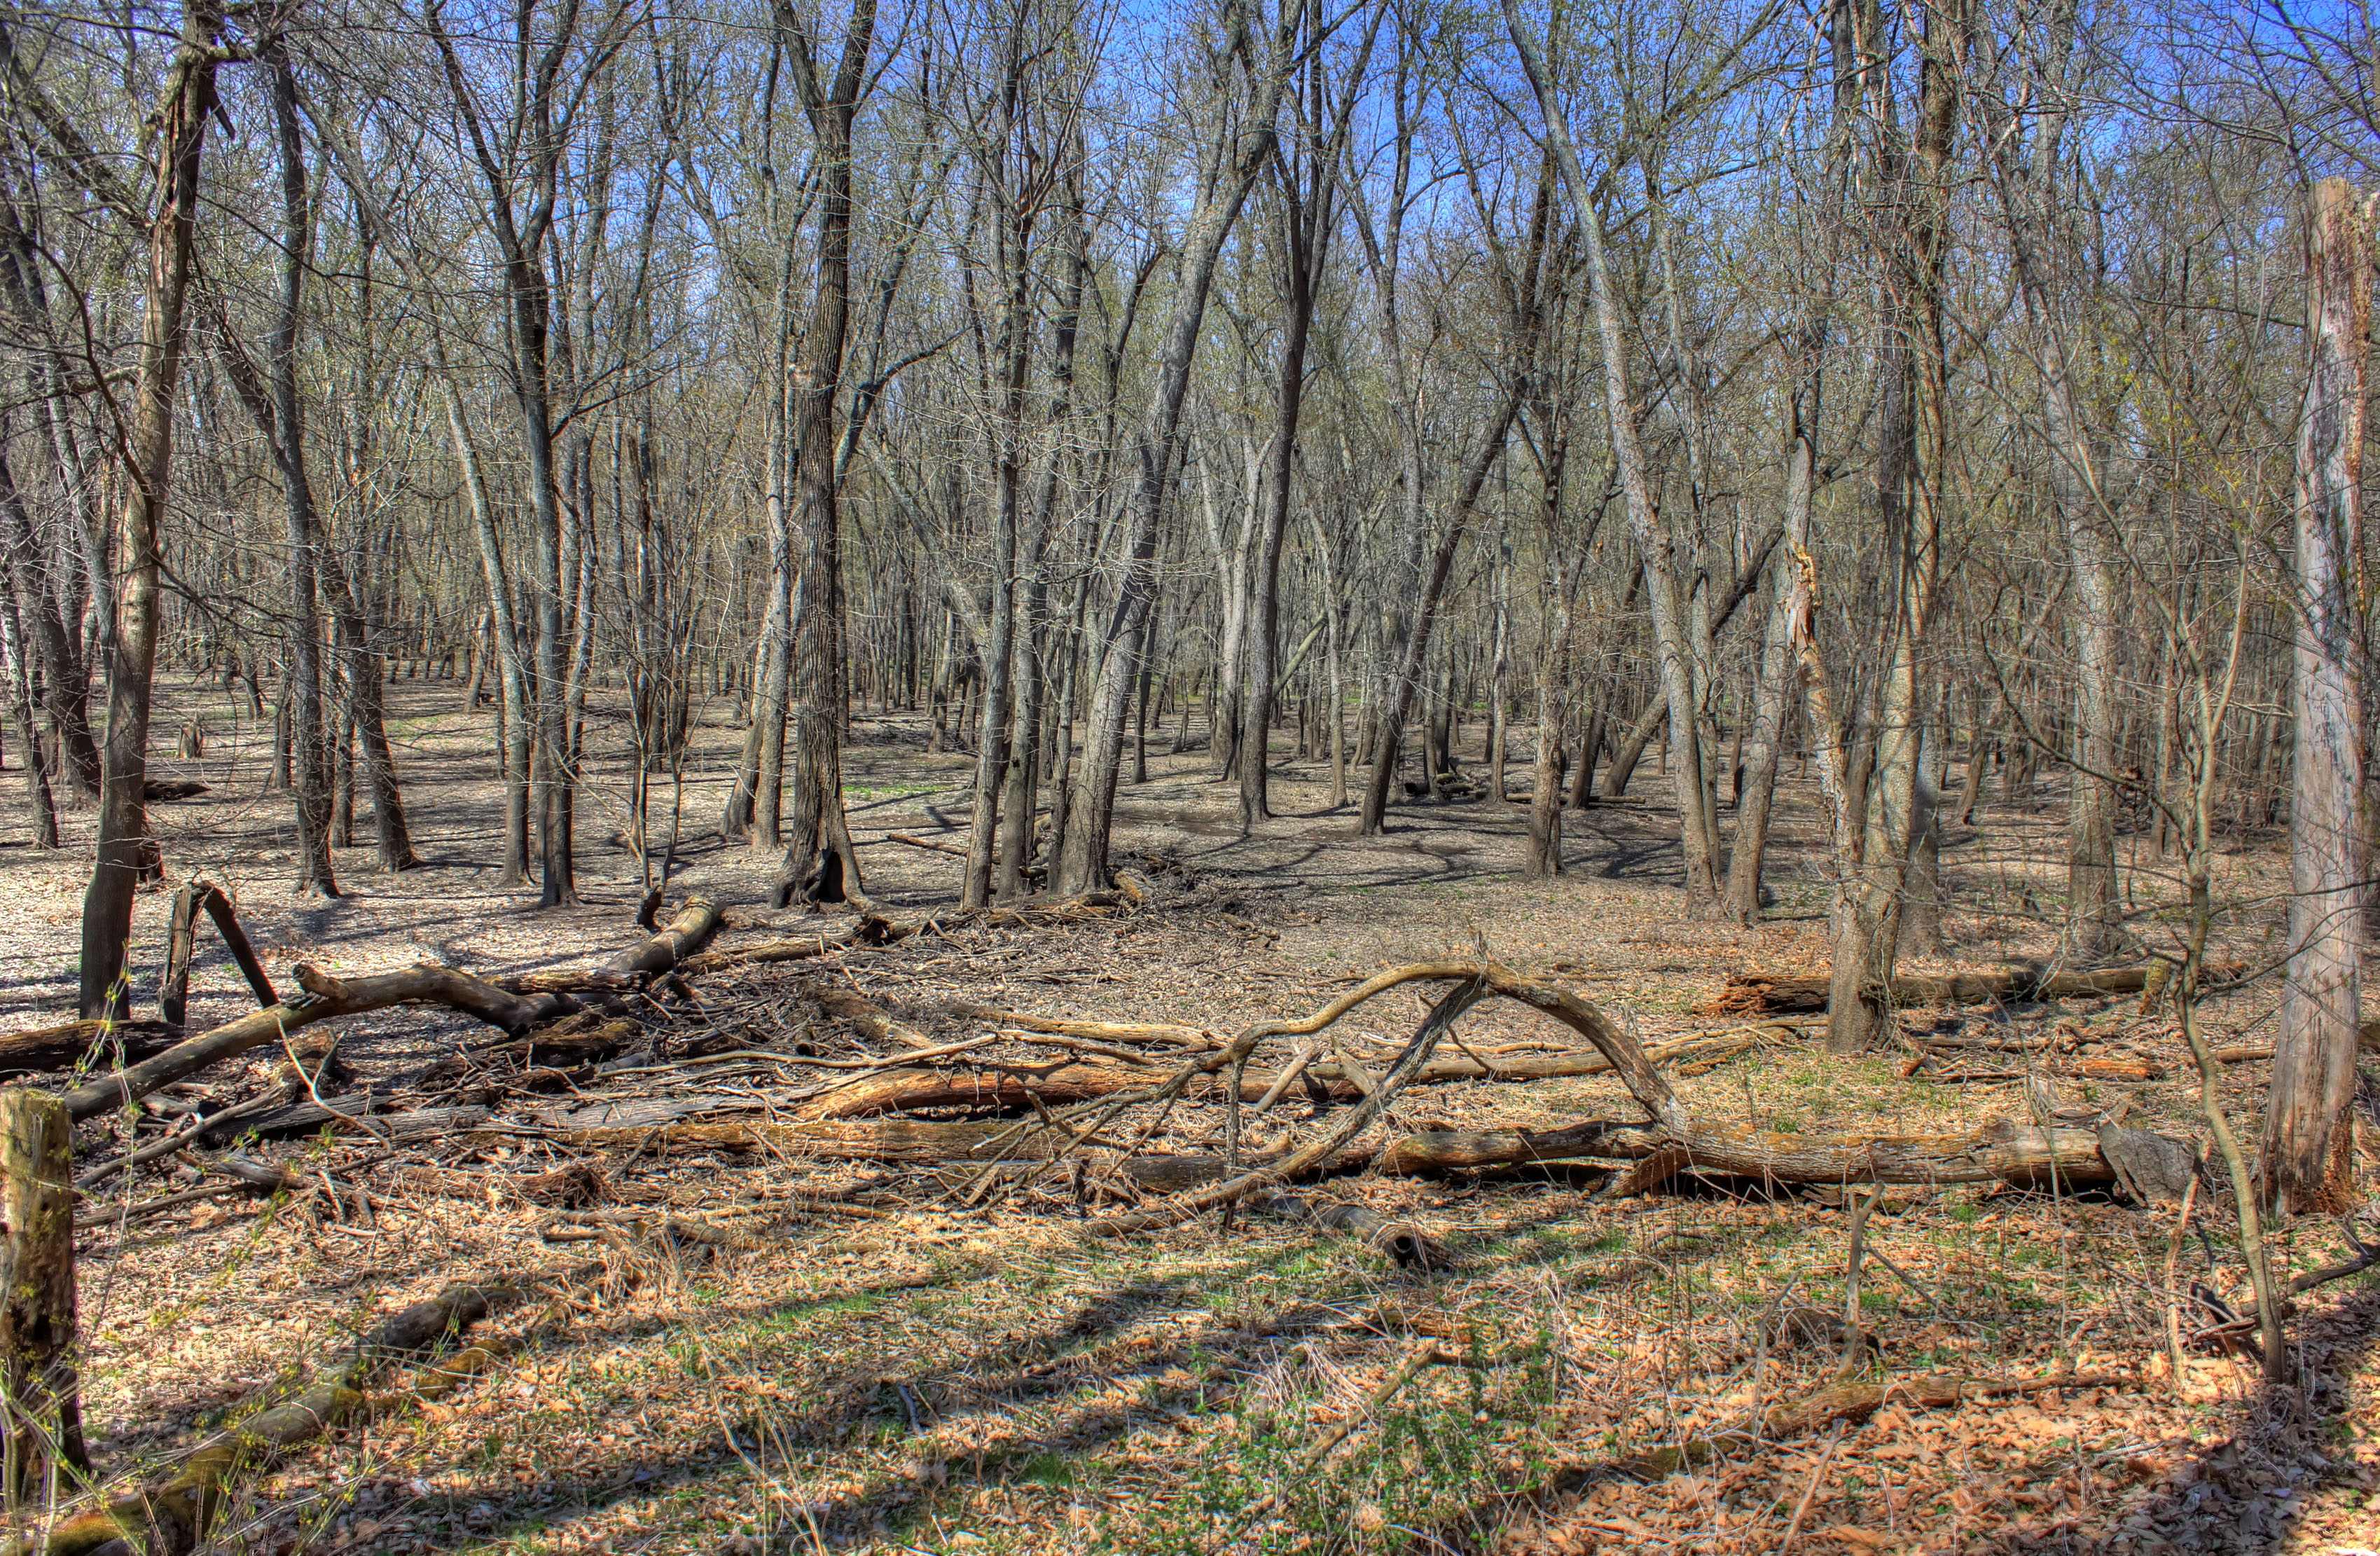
(2307, 1132)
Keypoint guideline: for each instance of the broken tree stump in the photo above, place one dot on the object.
(41, 1415)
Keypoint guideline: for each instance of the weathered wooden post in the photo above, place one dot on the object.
(39, 1411)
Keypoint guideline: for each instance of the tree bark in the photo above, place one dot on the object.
(818, 829)
(1237, 158)
(1655, 543)
(39, 1409)
(2308, 1136)
(309, 747)
(127, 855)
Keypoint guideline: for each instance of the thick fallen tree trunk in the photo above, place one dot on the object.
(324, 998)
(62, 1048)
(1764, 995)
(1998, 1152)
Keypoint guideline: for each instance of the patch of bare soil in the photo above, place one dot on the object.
(763, 1341)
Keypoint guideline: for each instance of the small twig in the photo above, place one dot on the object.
(2172, 1299)
(1801, 1509)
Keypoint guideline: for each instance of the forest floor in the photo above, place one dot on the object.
(949, 1376)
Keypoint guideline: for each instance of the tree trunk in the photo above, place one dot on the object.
(1083, 867)
(2308, 1136)
(820, 863)
(513, 669)
(39, 1408)
(127, 855)
(309, 746)
(1655, 545)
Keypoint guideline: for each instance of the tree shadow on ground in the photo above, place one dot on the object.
(921, 1408)
(2247, 1494)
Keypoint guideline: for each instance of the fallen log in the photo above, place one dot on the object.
(1102, 1031)
(687, 933)
(173, 1515)
(63, 1047)
(666, 951)
(1010, 1084)
(916, 842)
(1996, 1153)
(324, 998)
(869, 928)
(1765, 994)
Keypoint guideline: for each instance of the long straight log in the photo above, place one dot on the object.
(63, 1047)
(1762, 995)
(1996, 1153)
(324, 998)
(910, 1089)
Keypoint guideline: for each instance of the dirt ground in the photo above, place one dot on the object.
(932, 1373)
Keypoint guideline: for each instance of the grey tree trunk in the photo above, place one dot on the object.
(127, 854)
(310, 751)
(1655, 543)
(820, 864)
(2308, 1132)
(1235, 160)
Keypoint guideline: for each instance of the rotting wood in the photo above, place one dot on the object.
(40, 1410)
(324, 998)
(47, 1049)
(1764, 994)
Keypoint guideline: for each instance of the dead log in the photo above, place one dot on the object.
(1400, 1240)
(1102, 1031)
(687, 933)
(181, 943)
(667, 949)
(39, 1407)
(916, 842)
(353, 1113)
(1764, 994)
(324, 998)
(1996, 1153)
(1010, 1085)
(63, 1047)
(1668, 1140)
(869, 928)
(218, 906)
(173, 1515)
(154, 790)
